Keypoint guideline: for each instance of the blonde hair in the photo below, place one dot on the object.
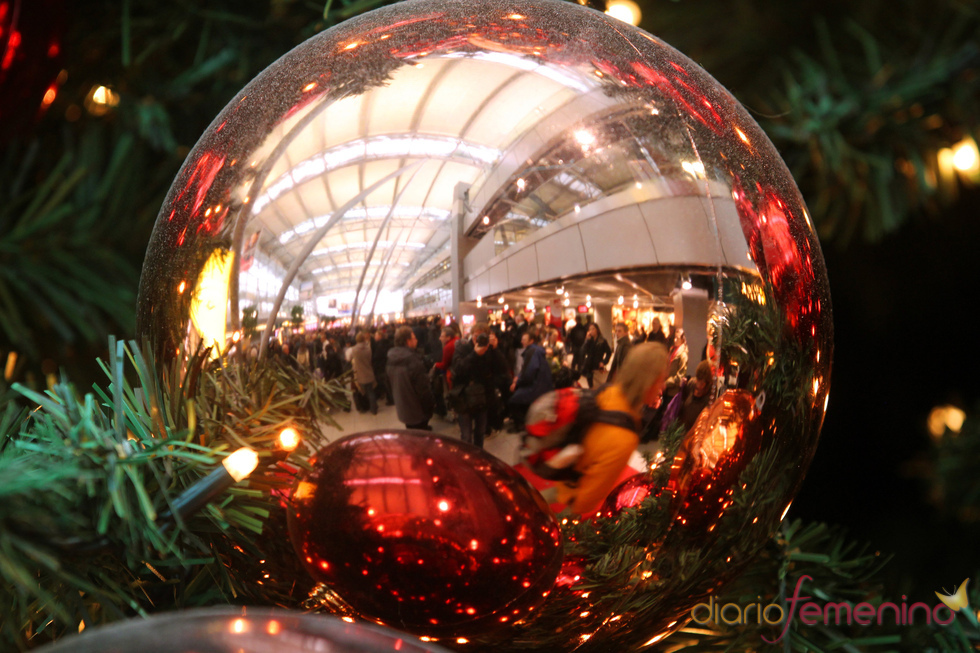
(644, 364)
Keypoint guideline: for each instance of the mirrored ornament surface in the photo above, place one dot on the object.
(483, 158)
(230, 629)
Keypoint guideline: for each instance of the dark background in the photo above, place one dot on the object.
(905, 316)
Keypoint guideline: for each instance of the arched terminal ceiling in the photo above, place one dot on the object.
(459, 116)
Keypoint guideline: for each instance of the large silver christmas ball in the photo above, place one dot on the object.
(503, 150)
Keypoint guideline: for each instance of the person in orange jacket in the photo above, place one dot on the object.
(607, 448)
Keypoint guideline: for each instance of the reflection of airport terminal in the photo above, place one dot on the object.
(478, 205)
(472, 165)
(532, 179)
(467, 182)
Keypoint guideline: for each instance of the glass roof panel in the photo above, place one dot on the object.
(498, 122)
(393, 107)
(459, 95)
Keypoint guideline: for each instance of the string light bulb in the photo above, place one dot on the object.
(100, 100)
(288, 439)
(232, 469)
(624, 10)
(965, 155)
(962, 161)
(240, 464)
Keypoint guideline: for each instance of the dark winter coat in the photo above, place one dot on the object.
(410, 386)
(594, 352)
(484, 370)
(535, 378)
(379, 355)
(619, 355)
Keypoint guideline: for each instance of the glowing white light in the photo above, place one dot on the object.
(584, 137)
(209, 299)
(695, 168)
(289, 439)
(241, 463)
(624, 10)
(943, 417)
(965, 156)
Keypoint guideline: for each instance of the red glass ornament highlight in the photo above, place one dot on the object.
(629, 494)
(712, 456)
(30, 62)
(424, 533)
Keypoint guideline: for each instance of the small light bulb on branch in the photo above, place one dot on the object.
(288, 439)
(233, 469)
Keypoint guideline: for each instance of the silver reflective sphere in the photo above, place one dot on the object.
(506, 149)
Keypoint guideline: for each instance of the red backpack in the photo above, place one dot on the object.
(557, 422)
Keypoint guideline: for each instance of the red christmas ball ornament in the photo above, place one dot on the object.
(704, 474)
(629, 494)
(571, 572)
(423, 533)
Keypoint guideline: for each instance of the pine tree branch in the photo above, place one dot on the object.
(84, 482)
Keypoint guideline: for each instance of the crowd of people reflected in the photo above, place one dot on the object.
(477, 381)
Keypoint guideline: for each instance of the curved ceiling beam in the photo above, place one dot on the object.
(298, 261)
(377, 237)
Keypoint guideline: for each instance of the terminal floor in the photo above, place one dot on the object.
(501, 444)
